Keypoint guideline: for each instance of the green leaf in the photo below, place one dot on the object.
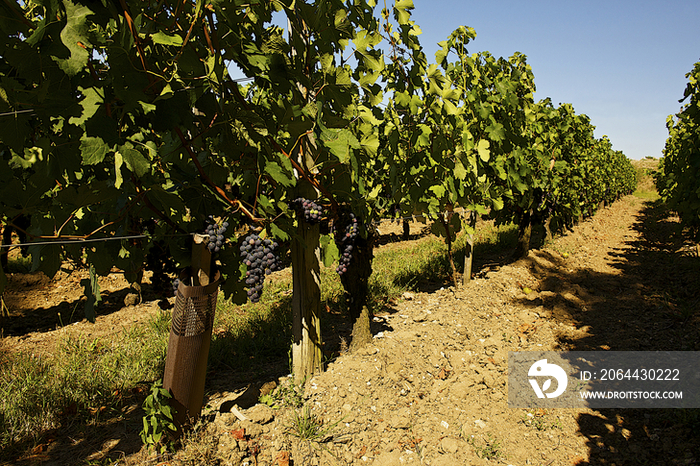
(278, 174)
(483, 148)
(134, 160)
(460, 171)
(340, 142)
(75, 36)
(439, 191)
(118, 162)
(375, 192)
(166, 411)
(450, 108)
(165, 39)
(92, 99)
(370, 143)
(46, 258)
(401, 7)
(277, 232)
(93, 150)
(329, 250)
(496, 131)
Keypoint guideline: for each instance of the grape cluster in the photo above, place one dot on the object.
(259, 256)
(176, 285)
(547, 203)
(215, 232)
(312, 211)
(345, 240)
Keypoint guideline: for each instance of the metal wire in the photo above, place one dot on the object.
(116, 238)
(79, 241)
(16, 112)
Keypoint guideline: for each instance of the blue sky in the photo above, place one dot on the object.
(621, 62)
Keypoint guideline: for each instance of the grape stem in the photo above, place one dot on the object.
(233, 202)
(279, 148)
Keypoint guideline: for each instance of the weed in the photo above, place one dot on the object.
(490, 450)
(286, 395)
(309, 429)
(83, 378)
(538, 420)
(305, 425)
(158, 423)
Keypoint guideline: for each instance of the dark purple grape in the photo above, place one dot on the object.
(345, 237)
(259, 257)
(215, 232)
(308, 210)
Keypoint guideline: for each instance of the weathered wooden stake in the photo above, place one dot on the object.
(306, 303)
(469, 253)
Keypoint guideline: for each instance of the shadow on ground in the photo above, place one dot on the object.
(650, 302)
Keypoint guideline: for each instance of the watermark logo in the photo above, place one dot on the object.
(603, 379)
(542, 368)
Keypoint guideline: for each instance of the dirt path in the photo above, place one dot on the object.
(432, 388)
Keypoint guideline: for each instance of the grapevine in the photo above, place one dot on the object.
(259, 257)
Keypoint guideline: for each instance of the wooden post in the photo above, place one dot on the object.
(469, 253)
(306, 303)
(306, 253)
(201, 262)
(190, 336)
(406, 230)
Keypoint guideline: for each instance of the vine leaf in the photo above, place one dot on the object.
(93, 149)
(162, 38)
(329, 250)
(278, 174)
(483, 148)
(134, 160)
(340, 142)
(75, 36)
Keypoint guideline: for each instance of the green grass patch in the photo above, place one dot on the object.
(647, 193)
(84, 379)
